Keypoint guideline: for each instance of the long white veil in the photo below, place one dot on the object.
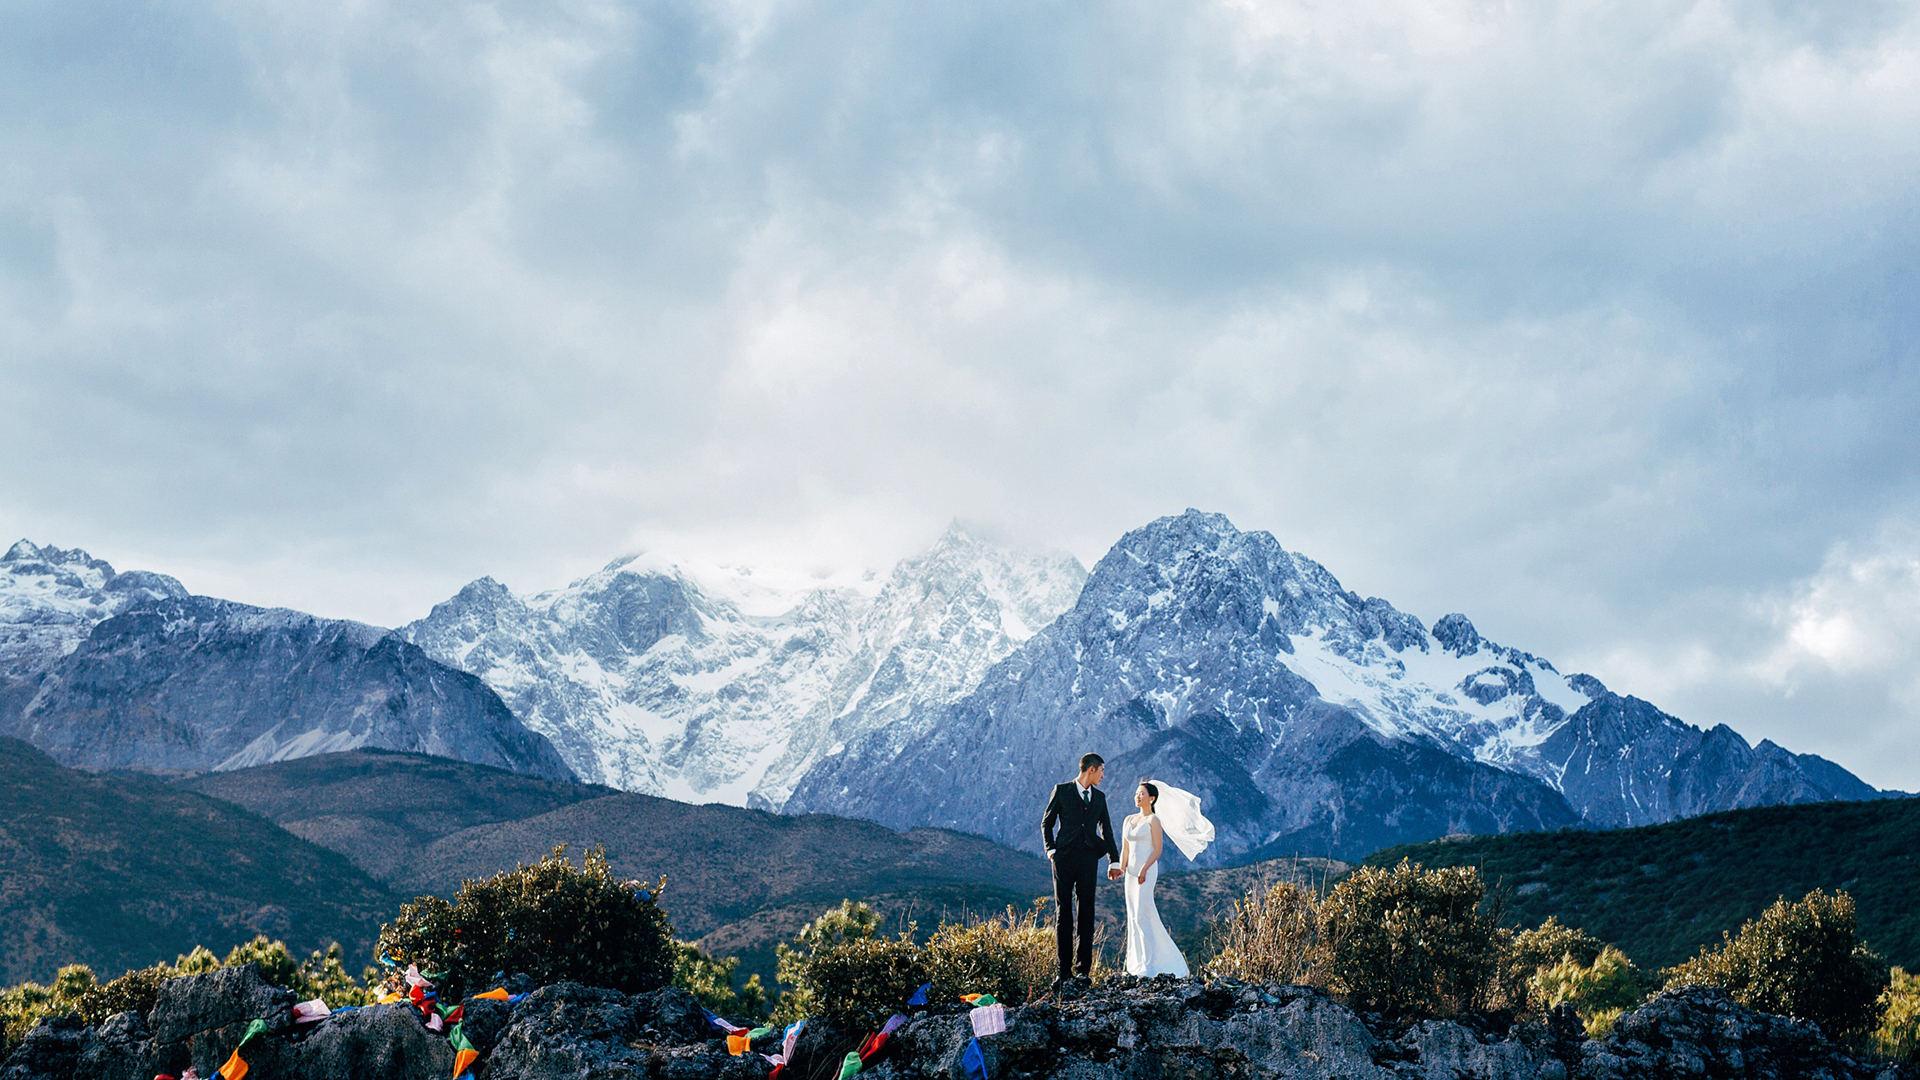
(1181, 820)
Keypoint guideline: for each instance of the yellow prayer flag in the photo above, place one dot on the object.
(463, 1060)
(738, 1044)
(496, 994)
(234, 1069)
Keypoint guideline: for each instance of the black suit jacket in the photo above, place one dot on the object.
(1083, 827)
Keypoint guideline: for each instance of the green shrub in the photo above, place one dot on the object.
(550, 920)
(1803, 960)
(1525, 954)
(1898, 1036)
(25, 1005)
(1599, 991)
(711, 982)
(840, 966)
(1012, 957)
(1408, 941)
(1270, 936)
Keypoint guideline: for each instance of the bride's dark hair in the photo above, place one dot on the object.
(1152, 792)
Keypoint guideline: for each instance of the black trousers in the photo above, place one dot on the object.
(1074, 874)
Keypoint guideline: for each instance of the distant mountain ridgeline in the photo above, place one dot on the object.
(1662, 891)
(950, 693)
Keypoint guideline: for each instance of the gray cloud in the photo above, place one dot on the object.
(1594, 321)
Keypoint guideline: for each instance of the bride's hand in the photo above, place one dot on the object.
(1143, 878)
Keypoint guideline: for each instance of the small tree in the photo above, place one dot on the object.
(1599, 991)
(1525, 954)
(1270, 936)
(1898, 1036)
(710, 981)
(840, 966)
(1802, 959)
(1409, 941)
(550, 920)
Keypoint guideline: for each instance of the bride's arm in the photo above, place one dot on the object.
(1125, 849)
(1154, 819)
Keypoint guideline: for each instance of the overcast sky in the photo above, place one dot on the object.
(1595, 321)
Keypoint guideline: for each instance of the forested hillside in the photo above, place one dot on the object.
(1662, 891)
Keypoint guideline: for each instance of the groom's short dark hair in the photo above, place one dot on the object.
(1088, 761)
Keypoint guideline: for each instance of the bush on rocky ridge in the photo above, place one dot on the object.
(1599, 991)
(1013, 957)
(1270, 936)
(1898, 1036)
(1799, 959)
(839, 965)
(549, 920)
(1407, 941)
(710, 981)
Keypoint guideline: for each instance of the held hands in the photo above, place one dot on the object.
(1114, 873)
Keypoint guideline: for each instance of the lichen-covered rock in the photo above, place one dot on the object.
(220, 998)
(365, 1044)
(50, 1051)
(1127, 1029)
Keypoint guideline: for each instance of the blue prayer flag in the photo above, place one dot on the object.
(974, 1062)
(920, 996)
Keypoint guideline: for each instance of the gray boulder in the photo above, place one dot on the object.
(365, 1044)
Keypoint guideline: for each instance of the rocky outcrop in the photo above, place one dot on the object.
(1128, 1029)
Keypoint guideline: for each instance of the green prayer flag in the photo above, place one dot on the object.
(985, 1000)
(757, 1032)
(458, 1039)
(258, 1027)
(851, 1065)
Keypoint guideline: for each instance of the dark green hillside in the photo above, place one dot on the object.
(1662, 891)
(381, 808)
(742, 879)
(119, 872)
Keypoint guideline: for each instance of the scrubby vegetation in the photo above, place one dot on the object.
(1012, 957)
(550, 920)
(1798, 959)
(841, 965)
(1898, 1037)
(711, 981)
(1408, 941)
(1271, 935)
(1662, 892)
(77, 990)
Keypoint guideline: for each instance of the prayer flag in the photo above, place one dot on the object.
(974, 1061)
(738, 1044)
(850, 1065)
(988, 1020)
(759, 1031)
(870, 1046)
(920, 996)
(434, 1023)
(893, 1024)
(234, 1069)
(308, 1011)
(498, 993)
(464, 1055)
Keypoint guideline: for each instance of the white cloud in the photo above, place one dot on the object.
(1592, 320)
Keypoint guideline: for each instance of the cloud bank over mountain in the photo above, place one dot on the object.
(1593, 319)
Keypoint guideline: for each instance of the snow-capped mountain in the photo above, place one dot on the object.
(128, 670)
(1310, 719)
(713, 684)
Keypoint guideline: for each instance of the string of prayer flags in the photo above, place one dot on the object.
(978, 1000)
(974, 1061)
(464, 1055)
(236, 1066)
(850, 1065)
(988, 1020)
(779, 1060)
(308, 1012)
(723, 1025)
(920, 996)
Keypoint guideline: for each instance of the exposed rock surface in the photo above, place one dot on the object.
(1126, 1030)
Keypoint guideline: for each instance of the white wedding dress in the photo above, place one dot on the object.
(1150, 949)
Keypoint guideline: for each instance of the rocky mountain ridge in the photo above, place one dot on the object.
(109, 670)
(1124, 1028)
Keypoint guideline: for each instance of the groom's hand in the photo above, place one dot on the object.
(1113, 873)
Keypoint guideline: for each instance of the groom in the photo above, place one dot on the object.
(1079, 811)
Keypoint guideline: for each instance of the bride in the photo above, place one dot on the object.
(1150, 949)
